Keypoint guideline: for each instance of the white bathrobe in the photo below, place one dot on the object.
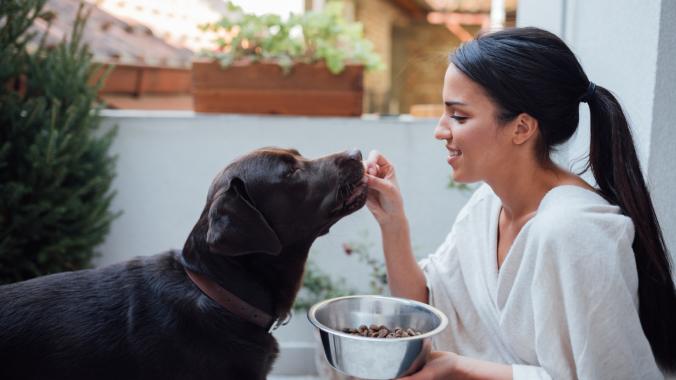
(564, 304)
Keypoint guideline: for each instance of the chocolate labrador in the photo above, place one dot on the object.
(205, 312)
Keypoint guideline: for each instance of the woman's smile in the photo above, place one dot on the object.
(453, 154)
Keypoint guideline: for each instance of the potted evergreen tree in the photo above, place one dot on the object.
(55, 169)
(309, 64)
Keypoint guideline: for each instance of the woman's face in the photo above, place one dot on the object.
(477, 146)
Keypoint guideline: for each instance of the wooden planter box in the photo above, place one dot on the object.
(262, 88)
(146, 87)
(138, 80)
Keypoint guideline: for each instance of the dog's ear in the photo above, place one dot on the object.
(236, 227)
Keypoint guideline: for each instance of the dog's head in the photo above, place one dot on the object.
(273, 198)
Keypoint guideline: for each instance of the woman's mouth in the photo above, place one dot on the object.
(453, 154)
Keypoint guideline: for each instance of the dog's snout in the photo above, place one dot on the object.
(354, 154)
(349, 164)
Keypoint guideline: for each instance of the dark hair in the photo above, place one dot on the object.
(529, 70)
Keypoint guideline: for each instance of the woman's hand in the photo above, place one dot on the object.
(449, 365)
(384, 198)
(439, 366)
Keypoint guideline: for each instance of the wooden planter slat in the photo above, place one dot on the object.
(138, 80)
(309, 89)
(279, 102)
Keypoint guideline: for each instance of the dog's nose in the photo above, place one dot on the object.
(354, 154)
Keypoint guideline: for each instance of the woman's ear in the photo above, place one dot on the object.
(525, 129)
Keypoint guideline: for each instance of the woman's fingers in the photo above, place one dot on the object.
(371, 168)
(378, 184)
(384, 199)
(378, 165)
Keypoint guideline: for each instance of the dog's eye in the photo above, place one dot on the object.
(292, 172)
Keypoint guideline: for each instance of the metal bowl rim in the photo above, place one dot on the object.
(442, 325)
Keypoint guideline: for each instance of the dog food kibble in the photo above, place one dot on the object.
(381, 331)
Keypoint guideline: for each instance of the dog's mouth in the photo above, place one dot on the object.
(350, 198)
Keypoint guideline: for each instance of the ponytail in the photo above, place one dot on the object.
(614, 163)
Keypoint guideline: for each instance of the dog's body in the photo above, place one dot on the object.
(138, 319)
(146, 319)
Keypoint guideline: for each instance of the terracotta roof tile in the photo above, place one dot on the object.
(113, 39)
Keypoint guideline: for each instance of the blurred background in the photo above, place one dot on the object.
(412, 37)
(164, 121)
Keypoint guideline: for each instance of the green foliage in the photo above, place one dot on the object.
(462, 187)
(309, 37)
(55, 171)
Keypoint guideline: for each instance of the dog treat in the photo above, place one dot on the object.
(381, 331)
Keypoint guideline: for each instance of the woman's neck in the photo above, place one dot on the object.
(522, 190)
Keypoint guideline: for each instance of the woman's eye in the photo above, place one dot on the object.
(459, 118)
(456, 117)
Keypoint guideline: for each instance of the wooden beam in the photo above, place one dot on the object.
(454, 21)
(458, 18)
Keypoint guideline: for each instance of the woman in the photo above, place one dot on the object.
(542, 275)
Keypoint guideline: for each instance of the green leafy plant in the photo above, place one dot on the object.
(310, 37)
(55, 170)
(462, 187)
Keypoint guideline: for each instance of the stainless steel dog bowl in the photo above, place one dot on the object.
(375, 358)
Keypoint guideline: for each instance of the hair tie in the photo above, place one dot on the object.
(591, 89)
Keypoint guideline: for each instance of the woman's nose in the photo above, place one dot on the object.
(443, 130)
